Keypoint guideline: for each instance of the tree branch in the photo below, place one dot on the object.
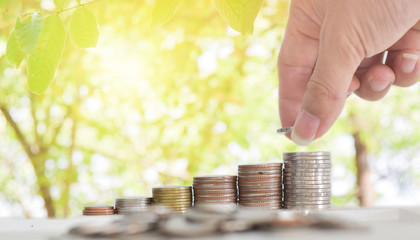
(25, 145)
(38, 139)
(60, 10)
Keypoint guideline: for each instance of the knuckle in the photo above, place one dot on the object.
(321, 92)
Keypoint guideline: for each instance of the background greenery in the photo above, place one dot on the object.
(153, 105)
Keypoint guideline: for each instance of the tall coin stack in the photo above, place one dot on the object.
(260, 185)
(129, 205)
(307, 180)
(215, 190)
(177, 198)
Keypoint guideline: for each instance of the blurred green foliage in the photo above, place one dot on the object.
(158, 105)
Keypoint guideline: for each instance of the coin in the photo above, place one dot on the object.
(99, 210)
(259, 172)
(306, 170)
(307, 174)
(296, 182)
(221, 200)
(219, 189)
(307, 207)
(306, 199)
(284, 130)
(308, 160)
(307, 165)
(260, 166)
(304, 178)
(172, 189)
(271, 193)
(260, 185)
(215, 192)
(306, 186)
(318, 153)
(213, 177)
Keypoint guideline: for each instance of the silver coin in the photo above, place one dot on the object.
(307, 190)
(308, 207)
(309, 170)
(307, 174)
(295, 203)
(305, 164)
(288, 186)
(307, 158)
(295, 182)
(303, 201)
(308, 194)
(289, 197)
(289, 166)
(316, 153)
(300, 178)
(284, 130)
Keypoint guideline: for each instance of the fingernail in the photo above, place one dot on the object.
(378, 86)
(408, 62)
(305, 128)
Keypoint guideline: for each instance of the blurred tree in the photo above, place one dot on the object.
(159, 105)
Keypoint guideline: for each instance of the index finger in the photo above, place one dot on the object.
(296, 62)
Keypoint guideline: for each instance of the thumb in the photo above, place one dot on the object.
(327, 88)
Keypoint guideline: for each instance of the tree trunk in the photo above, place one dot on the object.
(366, 193)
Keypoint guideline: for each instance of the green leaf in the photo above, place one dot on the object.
(27, 32)
(84, 29)
(43, 62)
(60, 3)
(239, 14)
(164, 11)
(112, 1)
(13, 53)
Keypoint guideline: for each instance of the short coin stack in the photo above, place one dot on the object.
(307, 180)
(129, 205)
(177, 198)
(260, 185)
(215, 190)
(96, 210)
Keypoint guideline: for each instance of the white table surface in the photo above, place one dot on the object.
(396, 223)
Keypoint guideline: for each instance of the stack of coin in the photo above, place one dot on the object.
(95, 210)
(307, 180)
(177, 198)
(215, 190)
(129, 205)
(260, 185)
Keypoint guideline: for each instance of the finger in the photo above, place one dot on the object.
(406, 65)
(327, 89)
(403, 58)
(296, 61)
(375, 82)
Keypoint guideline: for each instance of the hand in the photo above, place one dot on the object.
(332, 48)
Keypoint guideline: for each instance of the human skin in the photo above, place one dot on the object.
(332, 48)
